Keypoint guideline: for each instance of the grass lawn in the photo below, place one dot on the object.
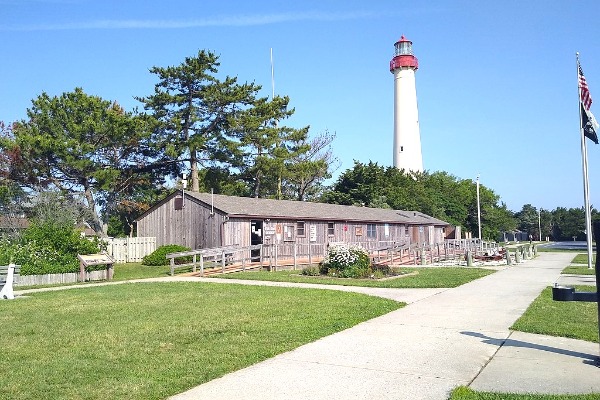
(438, 277)
(153, 340)
(583, 259)
(572, 319)
(124, 272)
(578, 270)
(463, 393)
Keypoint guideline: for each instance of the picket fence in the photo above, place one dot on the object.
(130, 249)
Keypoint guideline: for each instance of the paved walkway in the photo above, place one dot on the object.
(444, 338)
(441, 340)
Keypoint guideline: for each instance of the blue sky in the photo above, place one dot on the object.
(496, 85)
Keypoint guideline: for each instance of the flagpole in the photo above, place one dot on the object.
(586, 184)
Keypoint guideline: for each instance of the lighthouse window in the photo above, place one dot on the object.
(401, 148)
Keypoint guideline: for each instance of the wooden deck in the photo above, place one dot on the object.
(234, 259)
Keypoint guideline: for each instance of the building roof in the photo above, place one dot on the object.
(268, 208)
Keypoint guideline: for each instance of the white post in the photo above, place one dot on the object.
(7, 290)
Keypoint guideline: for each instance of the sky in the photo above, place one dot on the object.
(496, 84)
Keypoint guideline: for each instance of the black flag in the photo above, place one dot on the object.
(587, 124)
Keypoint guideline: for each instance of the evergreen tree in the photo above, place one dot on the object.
(194, 109)
(85, 147)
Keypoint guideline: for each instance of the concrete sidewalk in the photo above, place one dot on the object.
(441, 340)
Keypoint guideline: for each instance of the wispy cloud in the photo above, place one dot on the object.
(223, 21)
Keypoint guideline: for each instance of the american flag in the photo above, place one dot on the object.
(586, 98)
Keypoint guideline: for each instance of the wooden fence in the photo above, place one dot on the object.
(124, 250)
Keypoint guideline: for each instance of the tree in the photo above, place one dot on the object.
(546, 222)
(308, 170)
(84, 146)
(265, 148)
(194, 109)
(438, 194)
(528, 219)
(568, 223)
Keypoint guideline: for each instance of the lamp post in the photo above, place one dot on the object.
(478, 212)
(540, 223)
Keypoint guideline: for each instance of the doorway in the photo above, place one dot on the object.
(256, 237)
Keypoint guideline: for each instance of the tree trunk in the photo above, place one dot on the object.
(194, 171)
(95, 223)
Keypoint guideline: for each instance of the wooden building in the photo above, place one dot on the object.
(204, 220)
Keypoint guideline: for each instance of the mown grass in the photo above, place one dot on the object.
(153, 340)
(580, 267)
(572, 319)
(125, 272)
(438, 277)
(583, 259)
(578, 270)
(464, 393)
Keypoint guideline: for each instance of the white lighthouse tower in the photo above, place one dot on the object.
(407, 138)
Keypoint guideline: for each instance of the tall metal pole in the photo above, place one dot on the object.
(280, 172)
(540, 223)
(586, 185)
(272, 76)
(478, 212)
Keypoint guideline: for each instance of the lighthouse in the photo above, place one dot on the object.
(407, 138)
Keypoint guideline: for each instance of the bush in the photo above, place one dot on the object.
(346, 262)
(47, 248)
(311, 270)
(159, 256)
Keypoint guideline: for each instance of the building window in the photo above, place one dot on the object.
(288, 233)
(371, 231)
(300, 228)
(331, 228)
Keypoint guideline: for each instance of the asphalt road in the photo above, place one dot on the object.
(568, 246)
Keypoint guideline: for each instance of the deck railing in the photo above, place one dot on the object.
(295, 255)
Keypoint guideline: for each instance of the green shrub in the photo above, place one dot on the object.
(346, 262)
(159, 256)
(311, 270)
(47, 248)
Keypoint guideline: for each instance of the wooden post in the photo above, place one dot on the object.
(275, 266)
(223, 261)
(309, 255)
(201, 264)
(261, 255)
(244, 261)
(82, 271)
(172, 262)
(194, 264)
(295, 255)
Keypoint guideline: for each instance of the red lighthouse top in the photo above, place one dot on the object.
(403, 55)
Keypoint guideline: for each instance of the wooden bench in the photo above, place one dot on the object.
(8, 275)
